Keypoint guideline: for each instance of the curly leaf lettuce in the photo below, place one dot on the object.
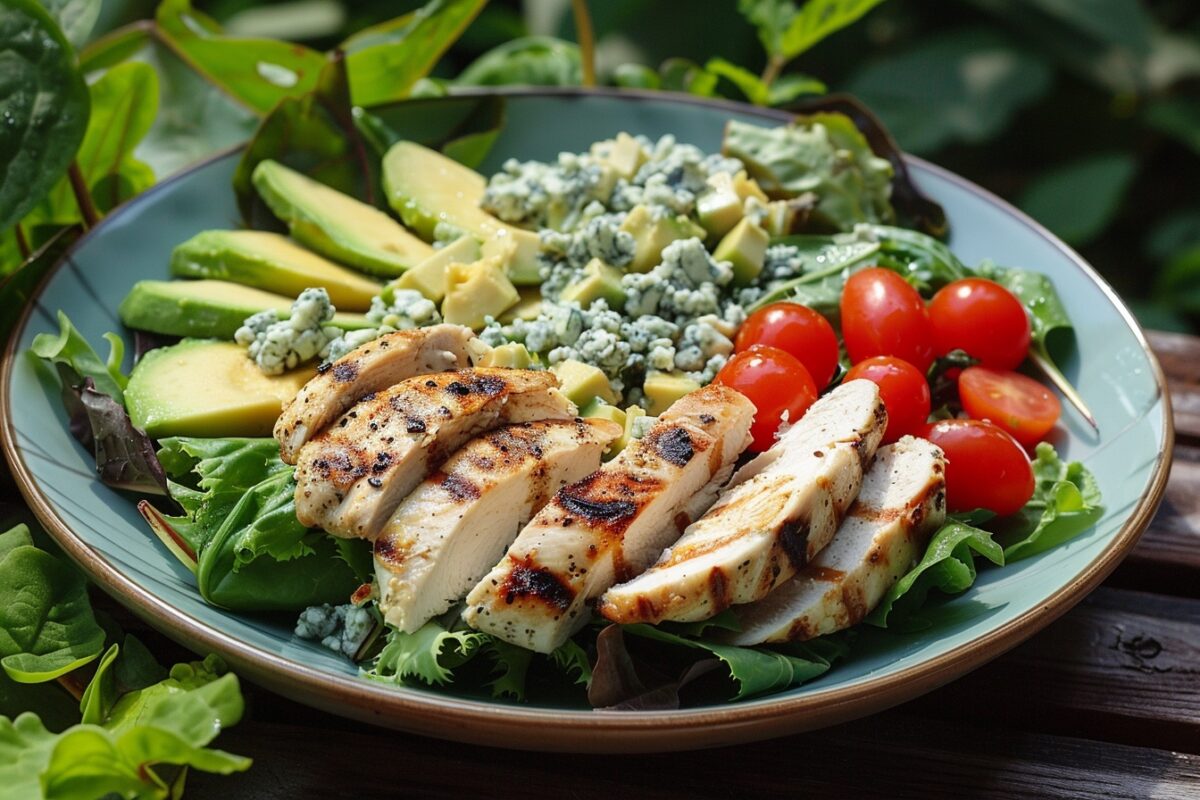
(429, 655)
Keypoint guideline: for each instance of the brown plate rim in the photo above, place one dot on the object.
(480, 722)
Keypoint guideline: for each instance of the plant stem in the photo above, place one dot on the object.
(1039, 356)
(72, 684)
(22, 242)
(83, 198)
(774, 66)
(587, 41)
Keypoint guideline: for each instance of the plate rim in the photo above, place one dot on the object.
(482, 722)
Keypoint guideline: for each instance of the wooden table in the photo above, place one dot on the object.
(1105, 703)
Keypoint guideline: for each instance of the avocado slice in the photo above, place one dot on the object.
(429, 277)
(664, 388)
(599, 280)
(337, 225)
(201, 387)
(271, 262)
(719, 208)
(425, 187)
(527, 308)
(651, 235)
(206, 308)
(512, 355)
(477, 290)
(582, 383)
(623, 155)
(745, 247)
(632, 414)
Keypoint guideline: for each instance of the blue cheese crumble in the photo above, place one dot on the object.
(687, 284)
(279, 345)
(547, 195)
(342, 629)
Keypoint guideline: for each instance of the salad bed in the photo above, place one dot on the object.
(245, 550)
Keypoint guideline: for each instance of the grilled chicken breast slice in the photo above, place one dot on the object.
(351, 477)
(372, 367)
(612, 524)
(777, 513)
(901, 504)
(450, 531)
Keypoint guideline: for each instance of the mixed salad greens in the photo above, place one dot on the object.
(637, 271)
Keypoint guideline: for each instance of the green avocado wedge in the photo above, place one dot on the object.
(337, 225)
(426, 188)
(201, 387)
(206, 309)
(270, 262)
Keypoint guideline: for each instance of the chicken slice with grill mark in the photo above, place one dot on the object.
(351, 477)
(450, 531)
(612, 524)
(901, 504)
(778, 512)
(372, 367)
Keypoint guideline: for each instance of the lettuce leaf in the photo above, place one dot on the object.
(429, 655)
(71, 350)
(948, 566)
(46, 623)
(1065, 503)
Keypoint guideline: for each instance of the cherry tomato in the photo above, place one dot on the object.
(775, 382)
(1015, 402)
(904, 390)
(797, 330)
(982, 318)
(985, 467)
(882, 315)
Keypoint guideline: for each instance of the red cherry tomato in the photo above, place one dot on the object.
(904, 391)
(775, 382)
(982, 318)
(985, 467)
(797, 330)
(882, 315)
(1014, 402)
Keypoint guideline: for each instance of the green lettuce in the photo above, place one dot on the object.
(1065, 503)
(240, 533)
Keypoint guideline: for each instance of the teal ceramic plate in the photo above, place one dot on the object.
(1113, 368)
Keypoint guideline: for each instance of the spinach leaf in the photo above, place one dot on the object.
(463, 128)
(753, 670)
(528, 61)
(75, 18)
(948, 565)
(46, 624)
(44, 103)
(386, 66)
(17, 288)
(316, 135)
(257, 72)
(1065, 503)
(1053, 333)
(168, 723)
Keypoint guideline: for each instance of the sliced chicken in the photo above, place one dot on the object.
(451, 530)
(371, 368)
(611, 525)
(777, 513)
(351, 477)
(902, 502)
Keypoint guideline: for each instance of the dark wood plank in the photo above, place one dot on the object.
(1179, 355)
(1167, 558)
(1121, 667)
(888, 756)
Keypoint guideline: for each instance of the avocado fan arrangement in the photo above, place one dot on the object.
(617, 425)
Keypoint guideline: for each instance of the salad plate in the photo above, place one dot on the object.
(1111, 365)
